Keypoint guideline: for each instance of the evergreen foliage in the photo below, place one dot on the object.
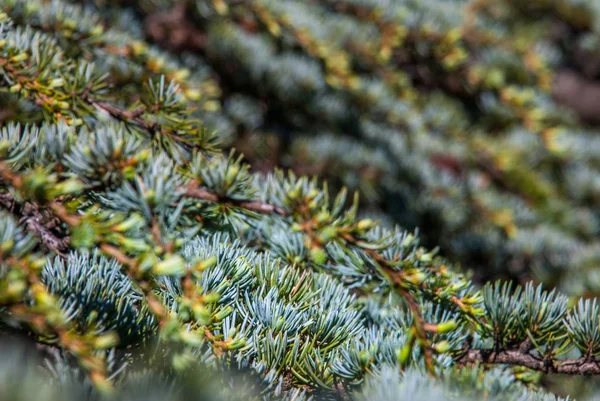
(447, 115)
(146, 262)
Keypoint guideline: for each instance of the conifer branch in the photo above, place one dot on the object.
(192, 190)
(582, 367)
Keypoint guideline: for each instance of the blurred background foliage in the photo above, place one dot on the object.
(473, 121)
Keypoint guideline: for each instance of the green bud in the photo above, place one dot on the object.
(67, 187)
(327, 234)
(84, 235)
(459, 286)
(322, 217)
(426, 258)
(408, 240)
(211, 297)
(365, 224)
(7, 245)
(404, 354)
(201, 313)
(105, 341)
(134, 244)
(97, 30)
(150, 195)
(207, 263)
(182, 361)
(223, 313)
(416, 277)
(318, 256)
(232, 332)
(19, 57)
(190, 338)
(442, 347)
(231, 175)
(128, 224)
(294, 193)
(236, 344)
(279, 324)
(364, 357)
(446, 326)
(55, 83)
(16, 288)
(172, 266)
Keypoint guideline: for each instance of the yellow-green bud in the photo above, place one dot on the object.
(404, 354)
(442, 347)
(327, 234)
(365, 224)
(105, 341)
(211, 298)
(223, 313)
(207, 263)
(190, 338)
(318, 256)
(19, 57)
(446, 326)
(172, 266)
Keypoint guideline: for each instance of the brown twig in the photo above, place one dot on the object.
(39, 222)
(582, 366)
(193, 190)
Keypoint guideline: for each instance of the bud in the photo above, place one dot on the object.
(416, 277)
(19, 57)
(364, 357)
(207, 263)
(201, 313)
(83, 236)
(97, 30)
(408, 240)
(172, 266)
(182, 361)
(223, 313)
(7, 245)
(128, 224)
(442, 347)
(190, 338)
(211, 298)
(318, 256)
(211, 105)
(404, 354)
(446, 326)
(55, 83)
(365, 224)
(16, 288)
(322, 216)
(327, 234)
(426, 258)
(231, 175)
(105, 341)
(193, 94)
(67, 187)
(182, 74)
(236, 344)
